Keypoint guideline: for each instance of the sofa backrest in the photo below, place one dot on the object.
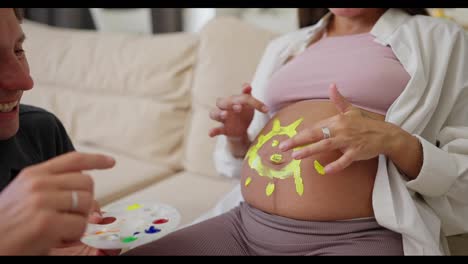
(228, 54)
(147, 97)
(129, 94)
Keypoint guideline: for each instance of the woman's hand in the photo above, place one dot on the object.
(235, 113)
(356, 135)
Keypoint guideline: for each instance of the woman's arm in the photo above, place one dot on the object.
(229, 153)
(404, 150)
(239, 146)
(443, 177)
(438, 173)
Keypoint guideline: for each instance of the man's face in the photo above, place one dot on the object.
(14, 72)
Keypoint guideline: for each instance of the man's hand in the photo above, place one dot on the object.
(80, 249)
(37, 207)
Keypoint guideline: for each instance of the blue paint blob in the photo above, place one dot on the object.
(152, 230)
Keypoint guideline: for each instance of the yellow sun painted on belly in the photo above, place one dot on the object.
(293, 168)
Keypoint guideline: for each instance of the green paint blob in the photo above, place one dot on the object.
(129, 239)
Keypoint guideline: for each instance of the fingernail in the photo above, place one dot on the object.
(96, 214)
(110, 159)
(237, 108)
(223, 114)
(265, 108)
(327, 169)
(283, 146)
(296, 155)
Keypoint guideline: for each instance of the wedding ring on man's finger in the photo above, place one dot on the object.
(74, 196)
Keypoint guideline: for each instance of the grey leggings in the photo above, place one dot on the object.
(248, 231)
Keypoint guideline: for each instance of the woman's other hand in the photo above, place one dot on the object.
(235, 113)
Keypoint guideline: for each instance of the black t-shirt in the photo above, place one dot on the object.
(41, 136)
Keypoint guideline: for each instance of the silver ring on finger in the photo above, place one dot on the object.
(74, 195)
(326, 132)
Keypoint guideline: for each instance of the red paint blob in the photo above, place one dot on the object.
(107, 220)
(160, 221)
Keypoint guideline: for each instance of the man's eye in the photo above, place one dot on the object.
(19, 52)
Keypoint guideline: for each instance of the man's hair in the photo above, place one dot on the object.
(18, 13)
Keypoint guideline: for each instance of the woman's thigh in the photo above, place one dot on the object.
(379, 243)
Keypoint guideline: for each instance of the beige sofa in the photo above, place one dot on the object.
(145, 100)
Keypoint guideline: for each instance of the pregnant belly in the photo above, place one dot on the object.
(274, 182)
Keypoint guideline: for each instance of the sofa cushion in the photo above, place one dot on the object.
(123, 92)
(186, 191)
(126, 177)
(458, 245)
(228, 54)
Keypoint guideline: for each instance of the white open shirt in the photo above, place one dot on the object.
(433, 107)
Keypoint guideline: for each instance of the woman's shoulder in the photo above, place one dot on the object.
(433, 26)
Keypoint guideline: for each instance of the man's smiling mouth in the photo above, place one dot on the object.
(8, 107)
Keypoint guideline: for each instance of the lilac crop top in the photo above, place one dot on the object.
(366, 73)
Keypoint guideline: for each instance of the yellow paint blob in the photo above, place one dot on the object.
(275, 143)
(270, 189)
(319, 168)
(248, 181)
(276, 158)
(133, 207)
(291, 169)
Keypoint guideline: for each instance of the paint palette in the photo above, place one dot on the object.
(131, 225)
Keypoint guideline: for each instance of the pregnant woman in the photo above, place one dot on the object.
(352, 139)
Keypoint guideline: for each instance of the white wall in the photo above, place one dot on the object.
(460, 15)
(275, 19)
(135, 20)
(280, 20)
(195, 18)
